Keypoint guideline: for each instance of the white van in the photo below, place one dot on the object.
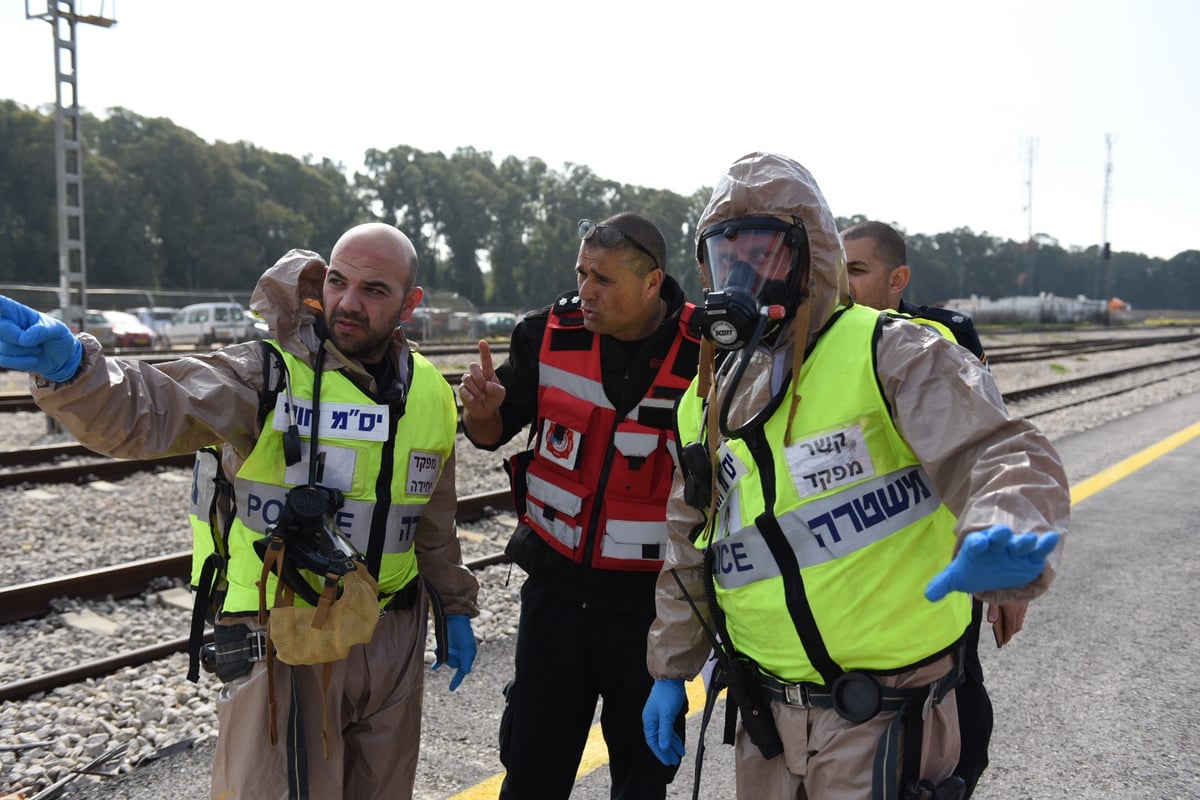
(207, 324)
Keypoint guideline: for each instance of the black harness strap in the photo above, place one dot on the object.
(397, 400)
(715, 686)
(795, 595)
(212, 571)
(887, 780)
(297, 748)
(273, 381)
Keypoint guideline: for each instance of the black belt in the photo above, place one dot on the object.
(857, 696)
(405, 598)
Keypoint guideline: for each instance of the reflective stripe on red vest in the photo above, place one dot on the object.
(597, 486)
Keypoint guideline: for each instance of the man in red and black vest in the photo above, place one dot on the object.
(596, 374)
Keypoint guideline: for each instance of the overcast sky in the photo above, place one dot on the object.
(924, 114)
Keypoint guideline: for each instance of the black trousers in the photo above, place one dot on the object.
(567, 657)
(974, 708)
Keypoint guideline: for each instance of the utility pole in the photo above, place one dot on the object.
(1105, 264)
(1030, 253)
(68, 153)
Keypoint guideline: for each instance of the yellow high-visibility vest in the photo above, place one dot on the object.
(866, 526)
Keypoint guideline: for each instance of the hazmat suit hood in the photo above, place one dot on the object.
(770, 185)
(288, 297)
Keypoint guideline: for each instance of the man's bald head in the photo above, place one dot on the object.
(370, 288)
(380, 245)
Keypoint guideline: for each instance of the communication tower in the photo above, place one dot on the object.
(68, 151)
(1030, 155)
(1106, 265)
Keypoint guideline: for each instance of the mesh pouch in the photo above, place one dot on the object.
(307, 635)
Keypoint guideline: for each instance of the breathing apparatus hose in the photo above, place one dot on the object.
(316, 415)
(743, 362)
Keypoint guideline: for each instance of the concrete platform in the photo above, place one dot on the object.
(1095, 699)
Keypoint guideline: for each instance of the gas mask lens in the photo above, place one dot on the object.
(749, 262)
(749, 259)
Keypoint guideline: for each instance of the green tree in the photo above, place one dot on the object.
(471, 194)
(563, 199)
(28, 204)
(166, 210)
(510, 255)
(120, 215)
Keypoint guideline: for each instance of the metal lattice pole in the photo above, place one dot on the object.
(68, 160)
(68, 154)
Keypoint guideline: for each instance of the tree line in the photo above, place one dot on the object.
(166, 210)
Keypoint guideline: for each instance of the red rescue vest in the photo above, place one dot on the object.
(597, 486)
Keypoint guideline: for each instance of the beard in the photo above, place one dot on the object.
(369, 344)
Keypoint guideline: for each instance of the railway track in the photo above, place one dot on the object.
(113, 469)
(1044, 351)
(1070, 384)
(31, 600)
(997, 354)
(27, 601)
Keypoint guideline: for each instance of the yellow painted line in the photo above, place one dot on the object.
(595, 753)
(1123, 469)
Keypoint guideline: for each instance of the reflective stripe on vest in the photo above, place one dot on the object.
(864, 522)
(353, 433)
(597, 485)
(200, 506)
(259, 506)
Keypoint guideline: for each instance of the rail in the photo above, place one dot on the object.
(113, 469)
(34, 599)
(31, 600)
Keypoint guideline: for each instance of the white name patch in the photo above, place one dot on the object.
(730, 470)
(364, 422)
(832, 459)
(423, 468)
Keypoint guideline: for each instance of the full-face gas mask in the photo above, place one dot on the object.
(758, 268)
(314, 543)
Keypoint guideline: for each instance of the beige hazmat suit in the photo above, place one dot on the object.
(133, 409)
(988, 467)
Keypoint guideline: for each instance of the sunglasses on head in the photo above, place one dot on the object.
(609, 236)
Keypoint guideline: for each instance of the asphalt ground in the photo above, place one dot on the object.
(1095, 699)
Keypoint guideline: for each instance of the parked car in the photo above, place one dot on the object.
(128, 330)
(157, 318)
(94, 323)
(496, 323)
(207, 324)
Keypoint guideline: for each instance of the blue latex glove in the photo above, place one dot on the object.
(34, 342)
(993, 559)
(666, 700)
(460, 647)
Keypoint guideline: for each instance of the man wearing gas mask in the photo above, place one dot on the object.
(848, 481)
(338, 441)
